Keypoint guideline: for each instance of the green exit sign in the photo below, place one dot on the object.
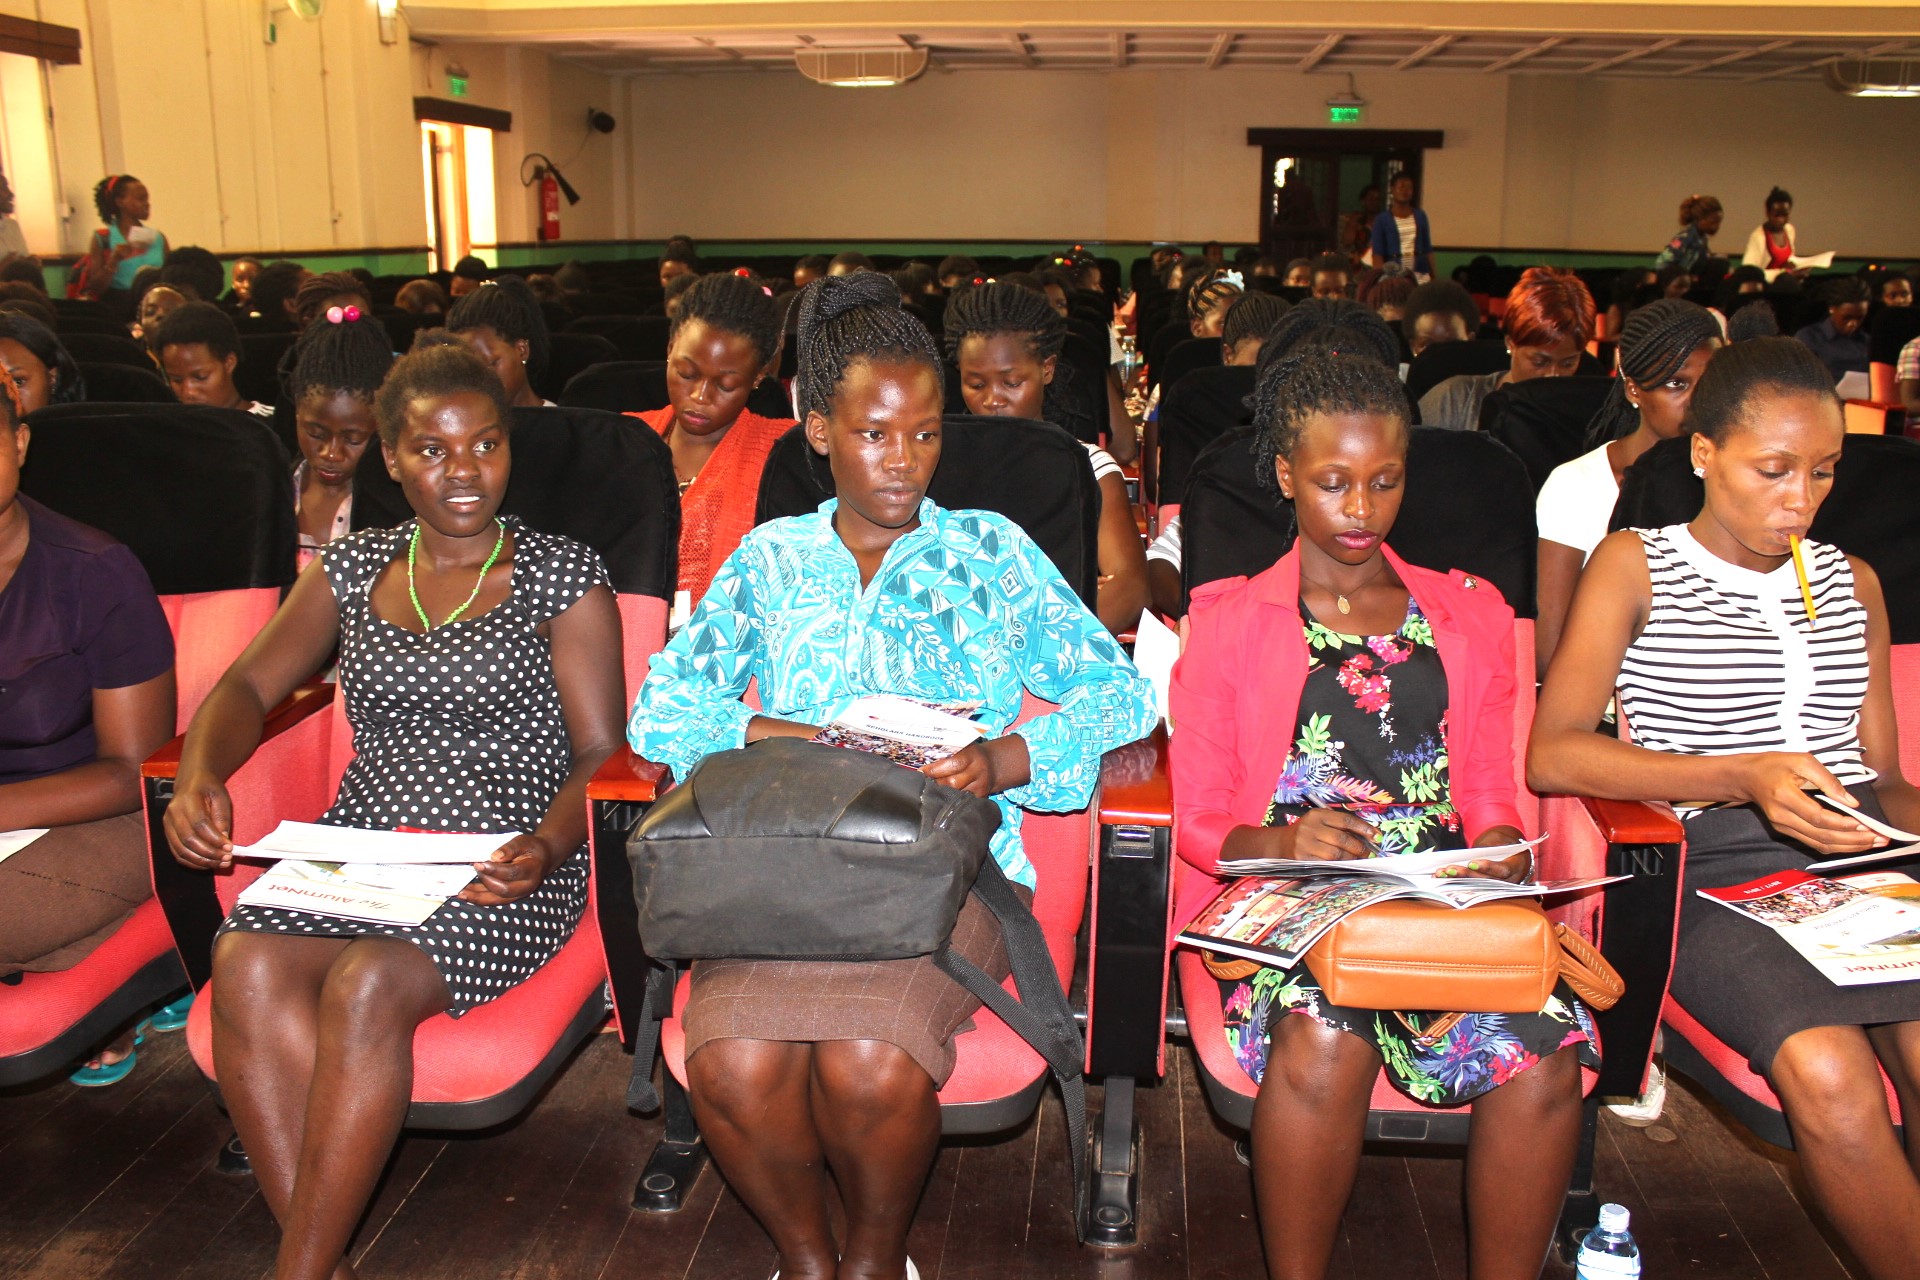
(1338, 114)
(457, 86)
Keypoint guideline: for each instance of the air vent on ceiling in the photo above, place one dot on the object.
(1862, 78)
(860, 68)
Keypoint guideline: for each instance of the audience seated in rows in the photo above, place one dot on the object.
(1548, 322)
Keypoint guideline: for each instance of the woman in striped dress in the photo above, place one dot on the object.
(1746, 706)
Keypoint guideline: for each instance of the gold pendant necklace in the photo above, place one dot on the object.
(1341, 602)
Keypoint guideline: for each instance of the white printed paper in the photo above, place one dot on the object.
(12, 842)
(318, 842)
(381, 894)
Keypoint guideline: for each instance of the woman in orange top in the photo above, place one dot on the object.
(726, 342)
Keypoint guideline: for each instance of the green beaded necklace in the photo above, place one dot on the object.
(413, 548)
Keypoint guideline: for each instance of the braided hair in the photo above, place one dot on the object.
(313, 294)
(1336, 325)
(1293, 389)
(506, 306)
(736, 305)
(106, 193)
(1654, 342)
(350, 356)
(999, 307)
(1252, 315)
(846, 319)
(1209, 290)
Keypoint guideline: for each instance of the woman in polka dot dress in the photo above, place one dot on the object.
(480, 663)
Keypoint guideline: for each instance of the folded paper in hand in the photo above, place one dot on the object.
(319, 842)
(402, 895)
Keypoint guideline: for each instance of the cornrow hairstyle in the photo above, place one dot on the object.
(1389, 290)
(105, 191)
(1779, 195)
(506, 306)
(68, 386)
(196, 322)
(1654, 342)
(439, 370)
(1002, 308)
(738, 306)
(277, 284)
(1252, 315)
(313, 295)
(1338, 325)
(846, 319)
(1694, 208)
(352, 356)
(1755, 320)
(1208, 290)
(1736, 375)
(1292, 390)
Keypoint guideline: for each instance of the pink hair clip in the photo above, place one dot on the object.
(342, 315)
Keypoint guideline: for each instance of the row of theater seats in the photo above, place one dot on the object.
(212, 524)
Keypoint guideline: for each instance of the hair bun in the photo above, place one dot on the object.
(833, 296)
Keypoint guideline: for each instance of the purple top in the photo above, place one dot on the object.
(79, 615)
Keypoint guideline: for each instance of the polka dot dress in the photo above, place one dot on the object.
(456, 730)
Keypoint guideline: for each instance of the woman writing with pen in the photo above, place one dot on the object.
(1753, 668)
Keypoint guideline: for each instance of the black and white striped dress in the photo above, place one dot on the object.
(1729, 663)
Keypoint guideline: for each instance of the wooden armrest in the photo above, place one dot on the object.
(306, 701)
(1632, 821)
(1135, 788)
(626, 776)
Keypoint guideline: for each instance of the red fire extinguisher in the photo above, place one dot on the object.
(549, 206)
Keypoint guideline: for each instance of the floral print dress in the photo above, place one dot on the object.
(1372, 739)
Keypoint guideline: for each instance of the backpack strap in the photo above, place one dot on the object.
(1041, 1016)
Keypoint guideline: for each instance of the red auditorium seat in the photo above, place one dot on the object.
(200, 496)
(486, 1067)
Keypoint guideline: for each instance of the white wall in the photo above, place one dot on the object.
(1529, 162)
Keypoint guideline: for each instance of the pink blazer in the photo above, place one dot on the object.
(1236, 702)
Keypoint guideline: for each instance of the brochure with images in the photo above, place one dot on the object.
(904, 730)
(1275, 919)
(379, 894)
(1856, 930)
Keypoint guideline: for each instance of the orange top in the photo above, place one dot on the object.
(716, 510)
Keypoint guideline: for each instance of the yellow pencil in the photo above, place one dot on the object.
(1800, 572)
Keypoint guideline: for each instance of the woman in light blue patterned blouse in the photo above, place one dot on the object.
(797, 1069)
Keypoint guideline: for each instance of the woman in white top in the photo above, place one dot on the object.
(1005, 340)
(1664, 349)
(1748, 708)
(1771, 246)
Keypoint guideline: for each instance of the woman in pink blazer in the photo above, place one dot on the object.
(1345, 703)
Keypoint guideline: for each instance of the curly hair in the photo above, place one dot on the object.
(1294, 389)
(105, 193)
(436, 371)
(1694, 208)
(846, 319)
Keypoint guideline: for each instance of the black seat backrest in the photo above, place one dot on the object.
(72, 323)
(1185, 357)
(257, 376)
(635, 337)
(107, 348)
(1033, 473)
(202, 496)
(595, 477)
(567, 354)
(1194, 412)
(1544, 420)
(112, 383)
(64, 307)
(640, 386)
(401, 326)
(1450, 359)
(1468, 505)
(1893, 329)
(1868, 512)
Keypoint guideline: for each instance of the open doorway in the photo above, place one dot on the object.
(458, 164)
(1313, 182)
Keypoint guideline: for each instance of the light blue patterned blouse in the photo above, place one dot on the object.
(963, 608)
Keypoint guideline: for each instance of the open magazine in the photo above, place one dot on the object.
(1857, 929)
(904, 730)
(1274, 918)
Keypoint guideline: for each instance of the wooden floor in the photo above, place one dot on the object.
(120, 1182)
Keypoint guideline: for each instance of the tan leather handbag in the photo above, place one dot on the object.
(1499, 957)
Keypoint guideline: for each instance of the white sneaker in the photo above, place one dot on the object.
(1646, 1108)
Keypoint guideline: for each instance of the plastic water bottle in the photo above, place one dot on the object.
(1608, 1251)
